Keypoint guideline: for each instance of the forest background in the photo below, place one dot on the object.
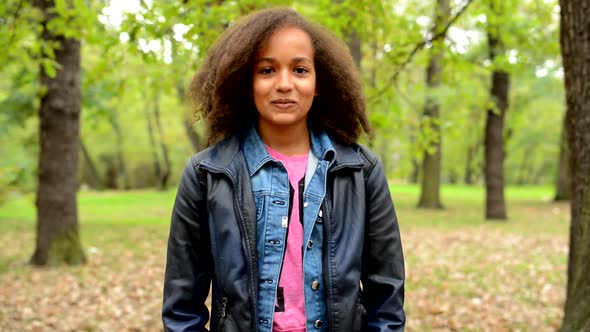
(138, 59)
(430, 72)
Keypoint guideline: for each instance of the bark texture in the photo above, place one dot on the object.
(58, 239)
(431, 164)
(494, 135)
(575, 48)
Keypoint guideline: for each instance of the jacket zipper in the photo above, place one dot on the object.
(253, 277)
(223, 306)
(327, 234)
(327, 228)
(253, 288)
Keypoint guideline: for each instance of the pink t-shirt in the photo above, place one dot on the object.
(289, 313)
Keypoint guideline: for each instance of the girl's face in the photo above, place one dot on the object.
(284, 80)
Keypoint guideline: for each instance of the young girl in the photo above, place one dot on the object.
(284, 217)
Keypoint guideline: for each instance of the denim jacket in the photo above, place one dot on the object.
(271, 189)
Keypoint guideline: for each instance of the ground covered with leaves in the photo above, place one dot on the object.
(463, 274)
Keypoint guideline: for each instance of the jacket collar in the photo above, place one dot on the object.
(225, 156)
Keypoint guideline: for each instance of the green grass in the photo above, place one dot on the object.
(529, 209)
(461, 269)
(106, 207)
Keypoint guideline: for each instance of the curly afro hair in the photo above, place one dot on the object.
(222, 88)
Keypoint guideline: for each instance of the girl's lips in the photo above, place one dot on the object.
(283, 104)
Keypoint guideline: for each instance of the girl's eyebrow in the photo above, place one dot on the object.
(301, 59)
(265, 59)
(273, 60)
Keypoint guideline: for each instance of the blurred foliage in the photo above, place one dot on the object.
(134, 51)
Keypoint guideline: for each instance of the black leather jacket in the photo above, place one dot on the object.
(212, 242)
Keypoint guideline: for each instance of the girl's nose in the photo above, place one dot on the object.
(285, 81)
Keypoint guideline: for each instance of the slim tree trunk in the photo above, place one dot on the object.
(494, 134)
(355, 47)
(431, 164)
(155, 158)
(563, 182)
(165, 174)
(120, 159)
(58, 239)
(525, 169)
(472, 151)
(193, 136)
(415, 174)
(575, 48)
(91, 167)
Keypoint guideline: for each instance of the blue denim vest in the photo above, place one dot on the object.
(270, 186)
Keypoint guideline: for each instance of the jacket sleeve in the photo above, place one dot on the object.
(188, 263)
(382, 272)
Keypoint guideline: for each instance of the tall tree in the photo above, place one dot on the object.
(494, 132)
(575, 48)
(58, 239)
(431, 164)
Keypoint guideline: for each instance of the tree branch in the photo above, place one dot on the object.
(422, 44)
(439, 35)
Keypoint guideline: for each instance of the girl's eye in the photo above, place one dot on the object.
(266, 71)
(301, 70)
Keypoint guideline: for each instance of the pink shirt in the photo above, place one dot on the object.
(289, 313)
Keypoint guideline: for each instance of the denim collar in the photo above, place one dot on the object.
(256, 154)
(226, 156)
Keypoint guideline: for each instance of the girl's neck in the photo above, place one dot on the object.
(288, 140)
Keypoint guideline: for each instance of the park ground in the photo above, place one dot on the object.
(463, 273)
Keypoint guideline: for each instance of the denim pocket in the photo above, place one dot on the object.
(259, 200)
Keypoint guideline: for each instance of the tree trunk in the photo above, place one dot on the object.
(90, 165)
(165, 174)
(193, 136)
(415, 174)
(525, 169)
(431, 164)
(58, 239)
(120, 160)
(354, 45)
(563, 183)
(494, 135)
(575, 48)
(472, 151)
(155, 158)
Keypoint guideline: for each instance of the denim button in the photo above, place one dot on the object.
(315, 285)
(305, 204)
(309, 244)
(318, 324)
(263, 321)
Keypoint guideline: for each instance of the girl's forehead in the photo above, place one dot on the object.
(287, 39)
